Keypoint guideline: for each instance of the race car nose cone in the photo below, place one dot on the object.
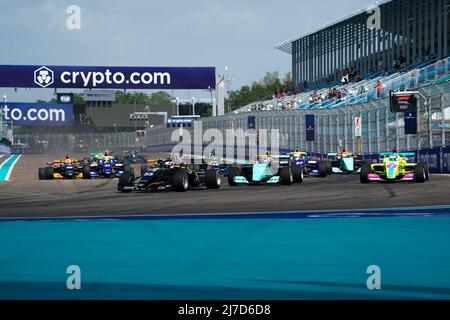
(348, 164)
(259, 172)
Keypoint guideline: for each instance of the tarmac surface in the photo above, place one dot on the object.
(26, 196)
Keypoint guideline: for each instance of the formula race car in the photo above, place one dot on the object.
(345, 162)
(267, 169)
(167, 175)
(214, 162)
(104, 165)
(64, 169)
(393, 167)
(132, 157)
(310, 167)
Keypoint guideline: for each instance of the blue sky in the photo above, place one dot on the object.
(238, 34)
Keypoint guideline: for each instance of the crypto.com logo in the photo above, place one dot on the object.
(43, 77)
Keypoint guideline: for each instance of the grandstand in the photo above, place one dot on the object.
(388, 35)
(413, 76)
(392, 45)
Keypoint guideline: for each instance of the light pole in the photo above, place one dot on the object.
(135, 107)
(214, 113)
(193, 106)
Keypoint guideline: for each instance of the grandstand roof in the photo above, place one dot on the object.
(286, 46)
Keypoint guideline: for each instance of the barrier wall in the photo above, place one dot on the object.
(5, 149)
(438, 158)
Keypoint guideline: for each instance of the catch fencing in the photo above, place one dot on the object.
(380, 130)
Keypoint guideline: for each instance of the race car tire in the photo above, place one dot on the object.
(180, 181)
(87, 172)
(298, 173)
(41, 174)
(364, 176)
(286, 175)
(234, 171)
(323, 169)
(125, 180)
(329, 167)
(48, 173)
(419, 173)
(213, 179)
(427, 171)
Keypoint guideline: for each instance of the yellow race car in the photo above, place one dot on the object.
(394, 166)
(67, 168)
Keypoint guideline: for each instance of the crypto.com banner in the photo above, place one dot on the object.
(38, 76)
(37, 114)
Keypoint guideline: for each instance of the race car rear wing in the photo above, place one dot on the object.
(401, 154)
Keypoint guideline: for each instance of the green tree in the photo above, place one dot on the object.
(260, 90)
(156, 98)
(160, 98)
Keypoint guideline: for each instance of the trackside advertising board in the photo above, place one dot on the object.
(310, 127)
(38, 76)
(37, 114)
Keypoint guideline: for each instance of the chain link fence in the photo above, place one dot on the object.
(381, 130)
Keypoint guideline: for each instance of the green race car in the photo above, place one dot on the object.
(267, 169)
(345, 162)
(393, 167)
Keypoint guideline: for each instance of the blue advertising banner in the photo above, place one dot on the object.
(37, 114)
(251, 121)
(183, 121)
(37, 76)
(310, 128)
(431, 156)
(410, 122)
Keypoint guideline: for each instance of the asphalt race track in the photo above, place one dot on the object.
(233, 257)
(26, 196)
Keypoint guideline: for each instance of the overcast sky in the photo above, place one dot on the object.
(240, 34)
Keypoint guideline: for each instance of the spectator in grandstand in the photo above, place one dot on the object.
(345, 76)
(315, 98)
(379, 89)
(357, 76)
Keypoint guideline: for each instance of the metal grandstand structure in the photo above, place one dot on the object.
(413, 29)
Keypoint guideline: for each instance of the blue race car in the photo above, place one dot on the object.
(132, 157)
(311, 168)
(104, 166)
(213, 162)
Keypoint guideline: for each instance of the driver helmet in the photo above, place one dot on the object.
(169, 163)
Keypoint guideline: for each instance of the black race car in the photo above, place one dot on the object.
(166, 175)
